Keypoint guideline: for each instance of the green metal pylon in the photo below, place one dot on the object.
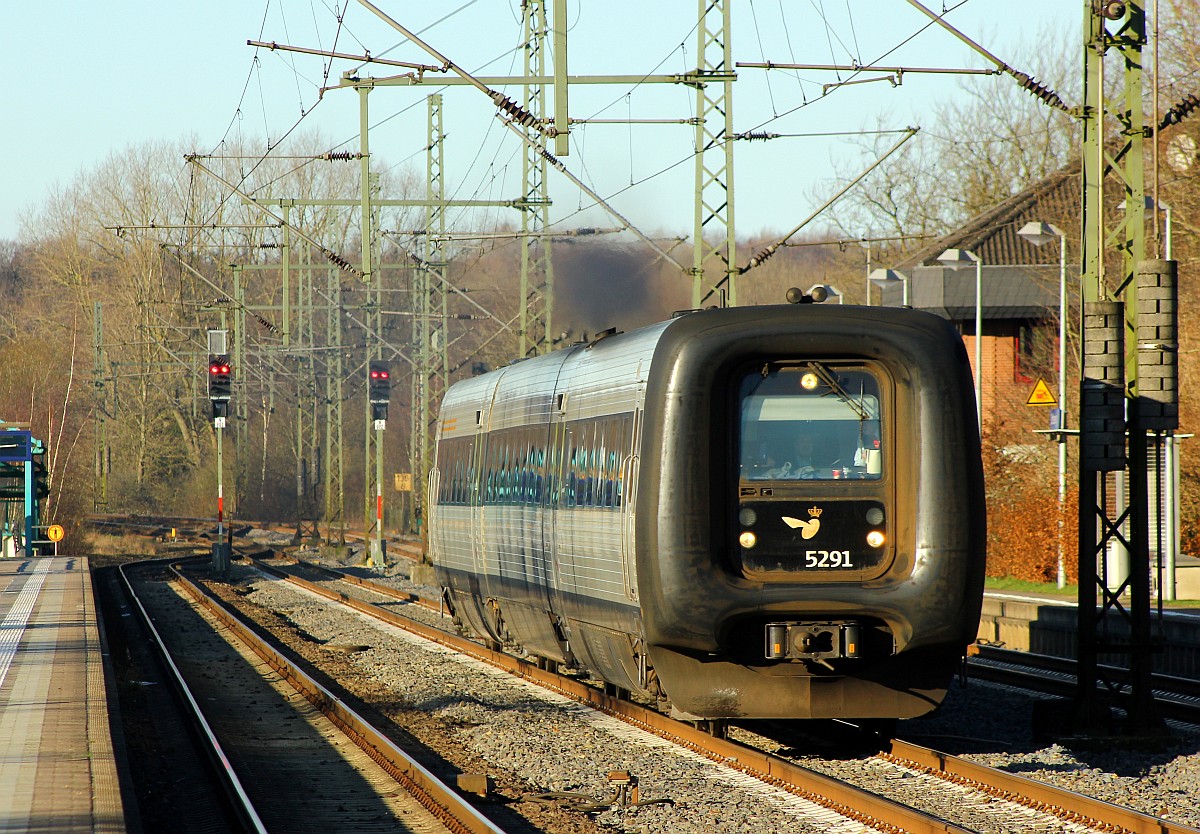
(537, 268)
(1113, 134)
(714, 245)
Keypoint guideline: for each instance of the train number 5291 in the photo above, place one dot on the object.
(827, 559)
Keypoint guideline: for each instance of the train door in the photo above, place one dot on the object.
(476, 495)
(559, 579)
(479, 498)
(627, 490)
(558, 500)
(433, 491)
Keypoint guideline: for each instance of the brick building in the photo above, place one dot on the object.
(1019, 307)
(1019, 302)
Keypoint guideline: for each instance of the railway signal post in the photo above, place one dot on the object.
(220, 380)
(379, 392)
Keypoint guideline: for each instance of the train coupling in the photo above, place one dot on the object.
(817, 641)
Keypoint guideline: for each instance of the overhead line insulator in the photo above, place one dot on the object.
(340, 156)
(265, 323)
(1180, 111)
(760, 258)
(753, 135)
(1038, 90)
(514, 111)
(338, 261)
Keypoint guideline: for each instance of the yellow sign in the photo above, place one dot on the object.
(403, 482)
(1041, 395)
(55, 533)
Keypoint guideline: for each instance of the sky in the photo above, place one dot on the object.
(87, 81)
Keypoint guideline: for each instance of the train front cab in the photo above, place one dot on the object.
(845, 584)
(812, 495)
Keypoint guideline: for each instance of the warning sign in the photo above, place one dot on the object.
(1041, 395)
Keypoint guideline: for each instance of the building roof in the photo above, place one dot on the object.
(993, 235)
(1009, 292)
(1019, 280)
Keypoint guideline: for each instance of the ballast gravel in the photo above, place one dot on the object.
(562, 754)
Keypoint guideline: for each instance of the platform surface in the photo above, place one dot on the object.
(57, 769)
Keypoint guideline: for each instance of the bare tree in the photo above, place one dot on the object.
(970, 154)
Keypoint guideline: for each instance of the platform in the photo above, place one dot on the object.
(1048, 624)
(57, 768)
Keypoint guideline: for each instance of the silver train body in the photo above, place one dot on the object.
(623, 506)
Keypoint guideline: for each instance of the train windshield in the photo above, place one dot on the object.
(810, 421)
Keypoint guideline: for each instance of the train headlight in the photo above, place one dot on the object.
(747, 540)
(876, 538)
(809, 381)
(875, 516)
(747, 517)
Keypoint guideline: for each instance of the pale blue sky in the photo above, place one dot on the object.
(86, 80)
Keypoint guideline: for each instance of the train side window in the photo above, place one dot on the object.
(506, 473)
(810, 421)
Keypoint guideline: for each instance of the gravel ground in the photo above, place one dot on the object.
(537, 743)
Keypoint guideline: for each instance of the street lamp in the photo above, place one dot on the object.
(867, 245)
(955, 259)
(1149, 203)
(1039, 234)
(884, 277)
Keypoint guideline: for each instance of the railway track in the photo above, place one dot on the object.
(1032, 803)
(288, 753)
(1176, 698)
(163, 749)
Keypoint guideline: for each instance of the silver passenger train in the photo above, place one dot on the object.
(642, 507)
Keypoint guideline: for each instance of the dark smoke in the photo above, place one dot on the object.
(598, 286)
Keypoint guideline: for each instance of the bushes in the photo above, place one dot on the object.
(1023, 517)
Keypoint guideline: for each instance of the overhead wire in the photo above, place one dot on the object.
(831, 37)
(763, 54)
(853, 31)
(828, 91)
(245, 87)
(291, 59)
(422, 31)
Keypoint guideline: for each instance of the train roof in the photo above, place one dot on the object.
(604, 375)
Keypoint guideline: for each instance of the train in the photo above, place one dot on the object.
(633, 507)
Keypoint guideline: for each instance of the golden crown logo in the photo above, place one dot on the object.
(815, 512)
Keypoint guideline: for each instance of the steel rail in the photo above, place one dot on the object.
(1175, 697)
(238, 798)
(1022, 790)
(868, 808)
(1044, 797)
(1178, 697)
(373, 587)
(440, 799)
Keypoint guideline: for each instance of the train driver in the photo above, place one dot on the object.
(797, 461)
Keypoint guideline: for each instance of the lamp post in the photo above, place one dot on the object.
(1039, 234)
(1167, 230)
(1149, 203)
(867, 245)
(1169, 503)
(883, 277)
(957, 258)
